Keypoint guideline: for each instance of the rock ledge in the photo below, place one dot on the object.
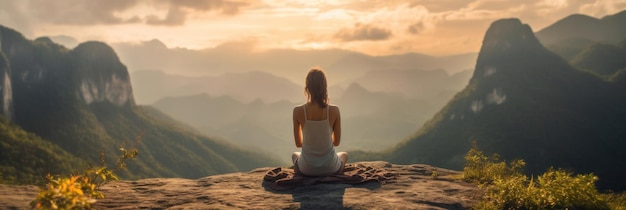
(415, 188)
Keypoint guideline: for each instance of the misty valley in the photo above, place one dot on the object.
(254, 109)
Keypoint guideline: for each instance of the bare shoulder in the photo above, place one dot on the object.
(333, 109)
(297, 108)
(298, 111)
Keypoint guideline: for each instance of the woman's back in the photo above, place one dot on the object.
(318, 154)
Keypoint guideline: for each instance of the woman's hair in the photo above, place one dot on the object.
(316, 87)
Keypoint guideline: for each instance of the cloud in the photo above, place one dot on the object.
(362, 32)
(603, 7)
(79, 12)
(15, 15)
(112, 12)
(179, 9)
(334, 14)
(416, 28)
(400, 19)
(391, 26)
(553, 3)
(175, 16)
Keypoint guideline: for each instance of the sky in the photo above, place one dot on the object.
(373, 27)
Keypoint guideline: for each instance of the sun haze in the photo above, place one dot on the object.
(377, 27)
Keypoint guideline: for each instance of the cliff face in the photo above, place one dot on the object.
(507, 41)
(41, 74)
(103, 77)
(6, 92)
(415, 188)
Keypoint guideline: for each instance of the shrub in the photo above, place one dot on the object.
(506, 187)
(74, 192)
(616, 201)
(481, 169)
(80, 191)
(555, 189)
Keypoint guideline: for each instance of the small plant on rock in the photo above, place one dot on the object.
(80, 191)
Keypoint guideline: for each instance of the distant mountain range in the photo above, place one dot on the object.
(589, 44)
(150, 86)
(60, 107)
(524, 101)
(267, 126)
(342, 66)
(610, 29)
(436, 86)
(246, 108)
(257, 125)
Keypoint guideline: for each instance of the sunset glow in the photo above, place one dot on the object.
(441, 27)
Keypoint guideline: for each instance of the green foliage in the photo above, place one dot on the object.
(80, 191)
(616, 201)
(482, 169)
(569, 48)
(1, 177)
(602, 59)
(25, 158)
(506, 187)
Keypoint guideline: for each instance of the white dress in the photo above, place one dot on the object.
(318, 157)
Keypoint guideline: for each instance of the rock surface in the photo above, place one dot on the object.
(415, 188)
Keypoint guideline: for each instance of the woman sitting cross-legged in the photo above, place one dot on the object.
(317, 130)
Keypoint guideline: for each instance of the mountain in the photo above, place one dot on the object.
(602, 59)
(370, 120)
(570, 48)
(67, 41)
(81, 100)
(151, 86)
(374, 120)
(524, 101)
(26, 158)
(436, 86)
(340, 65)
(263, 126)
(610, 28)
(235, 71)
(588, 43)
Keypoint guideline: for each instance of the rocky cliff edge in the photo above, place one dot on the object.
(417, 186)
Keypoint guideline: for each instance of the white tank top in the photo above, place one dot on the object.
(318, 157)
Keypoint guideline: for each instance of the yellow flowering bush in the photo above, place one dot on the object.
(79, 191)
(74, 192)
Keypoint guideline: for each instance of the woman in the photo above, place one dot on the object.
(316, 129)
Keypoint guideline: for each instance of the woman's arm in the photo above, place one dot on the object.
(297, 127)
(336, 125)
